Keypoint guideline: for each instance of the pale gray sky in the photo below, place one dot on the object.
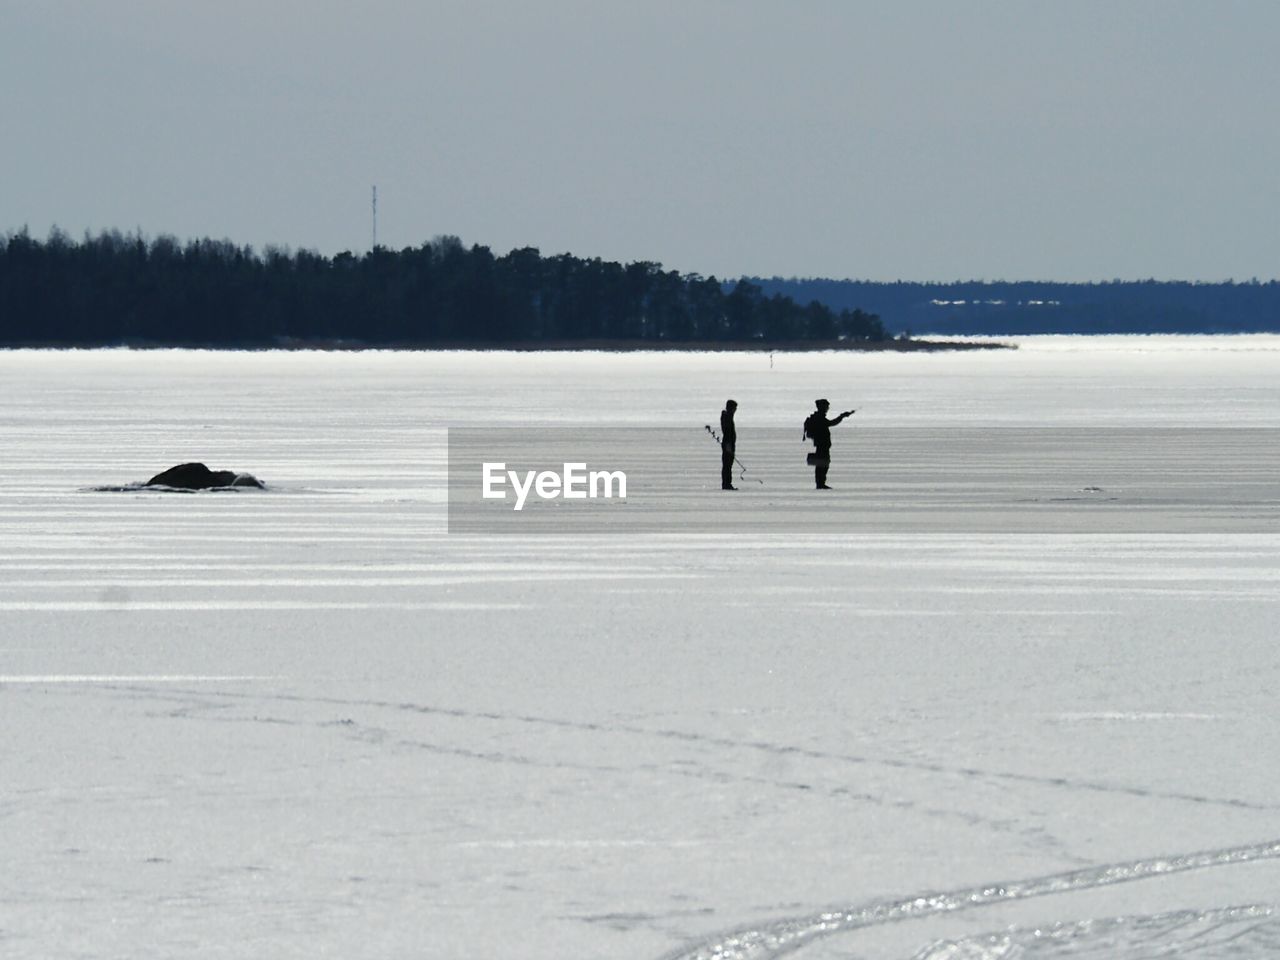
(912, 139)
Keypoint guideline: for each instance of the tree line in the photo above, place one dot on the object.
(1028, 307)
(115, 288)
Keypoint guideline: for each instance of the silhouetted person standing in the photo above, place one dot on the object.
(728, 444)
(818, 429)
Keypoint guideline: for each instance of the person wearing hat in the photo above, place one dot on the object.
(818, 429)
(728, 444)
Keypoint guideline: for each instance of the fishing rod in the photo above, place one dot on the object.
(742, 475)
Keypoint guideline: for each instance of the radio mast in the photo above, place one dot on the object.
(375, 217)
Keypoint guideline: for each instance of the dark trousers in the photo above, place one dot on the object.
(726, 467)
(821, 466)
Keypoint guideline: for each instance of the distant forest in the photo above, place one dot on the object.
(116, 289)
(123, 289)
(1118, 306)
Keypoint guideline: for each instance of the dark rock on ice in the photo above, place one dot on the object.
(196, 476)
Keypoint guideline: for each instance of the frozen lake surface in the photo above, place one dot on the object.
(308, 721)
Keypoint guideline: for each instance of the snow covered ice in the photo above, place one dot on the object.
(309, 721)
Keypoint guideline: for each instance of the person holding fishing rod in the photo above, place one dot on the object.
(818, 429)
(728, 444)
(728, 440)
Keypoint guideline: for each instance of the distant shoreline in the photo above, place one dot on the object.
(711, 346)
(551, 346)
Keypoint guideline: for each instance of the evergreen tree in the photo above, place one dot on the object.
(122, 289)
